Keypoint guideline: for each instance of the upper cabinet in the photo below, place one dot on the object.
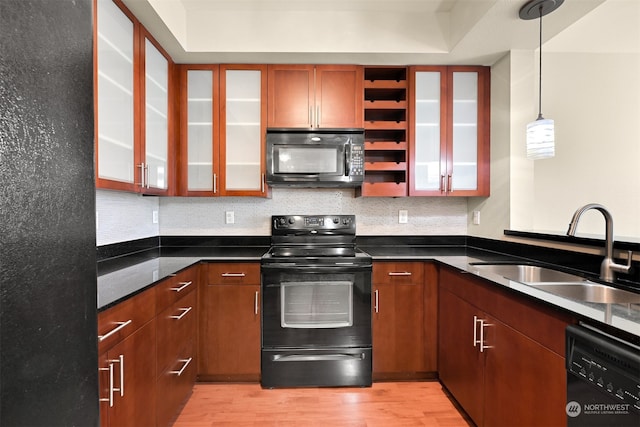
(320, 96)
(243, 114)
(222, 139)
(132, 81)
(449, 131)
(385, 132)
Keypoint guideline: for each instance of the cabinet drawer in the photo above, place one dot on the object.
(233, 273)
(120, 321)
(174, 288)
(542, 324)
(174, 385)
(176, 326)
(401, 273)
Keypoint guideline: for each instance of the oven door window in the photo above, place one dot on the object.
(309, 159)
(316, 304)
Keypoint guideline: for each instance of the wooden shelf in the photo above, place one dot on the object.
(383, 189)
(385, 145)
(385, 166)
(386, 126)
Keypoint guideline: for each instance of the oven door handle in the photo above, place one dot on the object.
(316, 357)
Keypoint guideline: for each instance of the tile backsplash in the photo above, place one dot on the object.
(124, 216)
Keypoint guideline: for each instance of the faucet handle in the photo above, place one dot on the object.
(622, 268)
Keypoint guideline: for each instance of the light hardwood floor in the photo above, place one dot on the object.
(384, 404)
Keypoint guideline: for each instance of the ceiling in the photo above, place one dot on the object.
(380, 31)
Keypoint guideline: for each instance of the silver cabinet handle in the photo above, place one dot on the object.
(317, 116)
(475, 330)
(262, 180)
(146, 176)
(443, 184)
(215, 183)
(233, 274)
(181, 315)
(450, 184)
(111, 389)
(256, 300)
(186, 363)
(119, 360)
(376, 304)
(184, 285)
(141, 183)
(399, 273)
(114, 330)
(310, 115)
(482, 326)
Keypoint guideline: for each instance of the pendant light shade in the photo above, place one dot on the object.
(540, 133)
(541, 139)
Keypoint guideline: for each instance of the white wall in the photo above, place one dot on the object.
(123, 216)
(594, 99)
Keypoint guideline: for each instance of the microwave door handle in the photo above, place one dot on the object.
(347, 160)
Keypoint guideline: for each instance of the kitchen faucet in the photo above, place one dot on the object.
(608, 266)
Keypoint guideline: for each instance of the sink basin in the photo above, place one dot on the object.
(525, 273)
(589, 292)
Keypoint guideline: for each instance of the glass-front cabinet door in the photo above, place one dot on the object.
(115, 97)
(156, 149)
(242, 129)
(428, 131)
(450, 131)
(199, 111)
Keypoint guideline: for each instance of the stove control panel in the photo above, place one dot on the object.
(313, 222)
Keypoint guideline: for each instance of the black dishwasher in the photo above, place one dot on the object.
(603, 379)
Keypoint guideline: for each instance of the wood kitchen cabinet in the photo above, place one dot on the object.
(147, 349)
(385, 132)
(229, 334)
(315, 96)
(222, 138)
(500, 356)
(176, 302)
(402, 323)
(134, 134)
(449, 131)
(127, 362)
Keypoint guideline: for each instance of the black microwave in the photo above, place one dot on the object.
(315, 158)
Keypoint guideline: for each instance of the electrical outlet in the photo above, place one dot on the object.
(476, 217)
(403, 216)
(155, 217)
(229, 217)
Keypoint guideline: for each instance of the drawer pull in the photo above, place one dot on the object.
(233, 275)
(181, 315)
(114, 330)
(399, 273)
(184, 285)
(186, 363)
(111, 388)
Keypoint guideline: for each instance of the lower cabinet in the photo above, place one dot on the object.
(502, 358)
(229, 334)
(404, 320)
(147, 354)
(176, 354)
(127, 362)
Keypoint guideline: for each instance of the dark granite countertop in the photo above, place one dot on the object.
(118, 285)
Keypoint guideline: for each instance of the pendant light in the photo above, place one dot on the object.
(540, 133)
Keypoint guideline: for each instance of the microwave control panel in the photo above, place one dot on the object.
(357, 160)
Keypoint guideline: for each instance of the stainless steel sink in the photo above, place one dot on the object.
(525, 273)
(589, 292)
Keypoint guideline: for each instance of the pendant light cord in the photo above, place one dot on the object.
(540, 71)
